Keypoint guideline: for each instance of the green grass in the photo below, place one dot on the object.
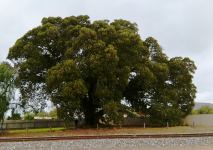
(37, 130)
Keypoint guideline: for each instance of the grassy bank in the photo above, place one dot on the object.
(103, 131)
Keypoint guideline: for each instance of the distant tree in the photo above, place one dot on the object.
(52, 114)
(42, 114)
(14, 115)
(29, 116)
(88, 68)
(204, 110)
(194, 112)
(6, 88)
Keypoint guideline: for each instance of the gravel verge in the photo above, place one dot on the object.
(192, 143)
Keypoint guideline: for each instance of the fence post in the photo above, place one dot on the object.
(50, 126)
(26, 125)
(167, 124)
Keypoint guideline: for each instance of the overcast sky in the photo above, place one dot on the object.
(182, 27)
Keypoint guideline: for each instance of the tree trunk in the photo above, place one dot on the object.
(2, 123)
(90, 116)
(90, 105)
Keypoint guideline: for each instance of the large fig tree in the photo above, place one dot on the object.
(92, 69)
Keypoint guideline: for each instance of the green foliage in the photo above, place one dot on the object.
(14, 115)
(42, 114)
(52, 114)
(87, 68)
(6, 88)
(167, 94)
(203, 110)
(29, 116)
(194, 112)
(113, 113)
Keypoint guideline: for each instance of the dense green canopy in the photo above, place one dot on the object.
(6, 88)
(93, 69)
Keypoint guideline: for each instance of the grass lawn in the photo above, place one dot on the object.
(103, 131)
(38, 130)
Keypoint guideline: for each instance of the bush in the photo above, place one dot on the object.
(203, 110)
(15, 116)
(29, 116)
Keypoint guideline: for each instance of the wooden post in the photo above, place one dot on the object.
(193, 125)
(50, 126)
(26, 128)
